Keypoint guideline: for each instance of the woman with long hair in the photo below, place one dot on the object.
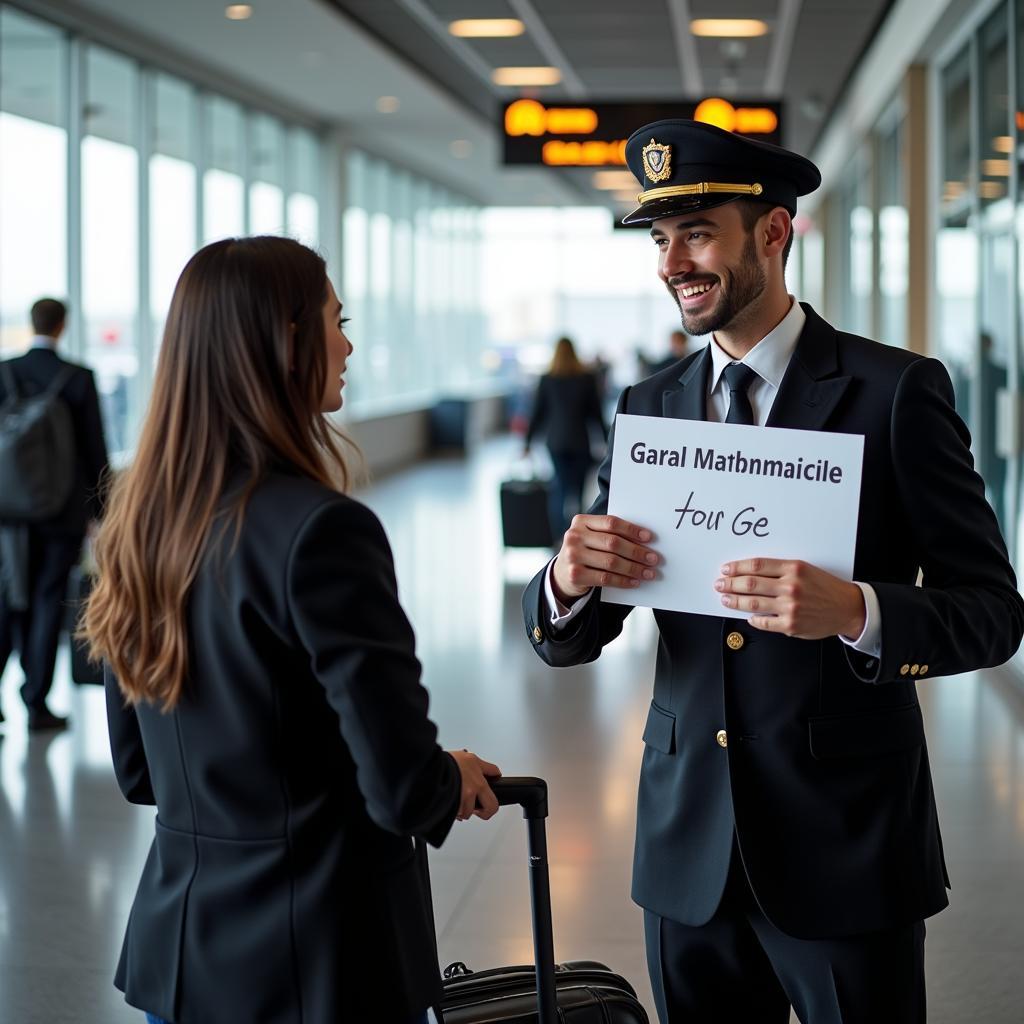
(567, 408)
(262, 688)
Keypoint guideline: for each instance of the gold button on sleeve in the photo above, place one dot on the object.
(721, 738)
(914, 669)
(924, 669)
(904, 669)
(538, 634)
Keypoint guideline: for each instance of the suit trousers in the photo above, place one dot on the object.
(36, 631)
(740, 968)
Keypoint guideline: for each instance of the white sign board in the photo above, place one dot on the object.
(717, 492)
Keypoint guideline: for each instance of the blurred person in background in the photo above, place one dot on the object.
(38, 551)
(567, 411)
(263, 689)
(678, 347)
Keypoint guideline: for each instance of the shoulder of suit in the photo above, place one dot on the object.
(293, 499)
(862, 355)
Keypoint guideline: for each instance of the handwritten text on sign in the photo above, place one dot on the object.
(717, 492)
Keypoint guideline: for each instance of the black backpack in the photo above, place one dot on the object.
(37, 451)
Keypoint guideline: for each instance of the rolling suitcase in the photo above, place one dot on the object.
(576, 992)
(524, 514)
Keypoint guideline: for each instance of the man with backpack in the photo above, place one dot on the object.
(52, 461)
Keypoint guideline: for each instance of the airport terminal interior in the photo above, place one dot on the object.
(459, 164)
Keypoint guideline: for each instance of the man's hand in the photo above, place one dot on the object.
(793, 597)
(602, 551)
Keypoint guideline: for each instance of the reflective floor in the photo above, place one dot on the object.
(71, 848)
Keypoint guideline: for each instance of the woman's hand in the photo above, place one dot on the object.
(477, 797)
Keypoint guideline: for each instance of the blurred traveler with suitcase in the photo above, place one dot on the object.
(567, 411)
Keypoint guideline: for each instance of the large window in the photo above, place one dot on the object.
(303, 154)
(411, 280)
(224, 180)
(893, 233)
(172, 191)
(33, 172)
(110, 236)
(956, 246)
(266, 190)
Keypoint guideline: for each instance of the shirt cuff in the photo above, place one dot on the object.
(561, 615)
(870, 639)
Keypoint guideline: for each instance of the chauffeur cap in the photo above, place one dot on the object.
(685, 165)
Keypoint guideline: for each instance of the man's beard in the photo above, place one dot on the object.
(737, 289)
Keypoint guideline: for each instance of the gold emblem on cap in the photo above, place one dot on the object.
(657, 159)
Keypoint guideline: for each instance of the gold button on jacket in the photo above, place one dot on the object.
(924, 668)
(914, 669)
(721, 738)
(538, 634)
(904, 669)
(735, 641)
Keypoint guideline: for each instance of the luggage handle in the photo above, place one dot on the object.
(531, 794)
(528, 791)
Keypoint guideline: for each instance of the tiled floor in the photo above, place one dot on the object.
(71, 848)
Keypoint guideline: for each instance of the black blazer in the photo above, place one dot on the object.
(281, 885)
(33, 373)
(825, 779)
(568, 410)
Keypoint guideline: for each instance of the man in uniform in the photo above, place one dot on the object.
(787, 845)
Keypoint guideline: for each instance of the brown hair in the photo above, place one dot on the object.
(565, 362)
(238, 388)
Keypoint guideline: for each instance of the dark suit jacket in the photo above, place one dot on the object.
(568, 411)
(825, 780)
(33, 372)
(281, 885)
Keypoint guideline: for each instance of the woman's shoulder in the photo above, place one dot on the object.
(284, 506)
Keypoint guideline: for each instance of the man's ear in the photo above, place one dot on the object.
(776, 230)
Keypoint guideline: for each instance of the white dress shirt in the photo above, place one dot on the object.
(769, 359)
(43, 341)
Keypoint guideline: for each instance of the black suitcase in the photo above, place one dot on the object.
(524, 514)
(83, 671)
(576, 992)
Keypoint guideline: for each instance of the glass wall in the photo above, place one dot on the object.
(160, 166)
(956, 254)
(110, 235)
(411, 285)
(173, 179)
(33, 172)
(224, 179)
(893, 234)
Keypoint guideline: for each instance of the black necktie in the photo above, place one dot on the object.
(739, 377)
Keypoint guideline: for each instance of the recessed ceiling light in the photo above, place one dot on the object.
(238, 12)
(729, 28)
(487, 28)
(613, 180)
(460, 148)
(388, 104)
(526, 76)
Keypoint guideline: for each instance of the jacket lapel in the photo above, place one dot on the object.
(689, 400)
(810, 390)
